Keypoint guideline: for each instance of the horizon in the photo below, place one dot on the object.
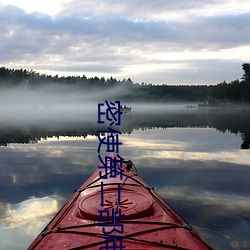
(61, 75)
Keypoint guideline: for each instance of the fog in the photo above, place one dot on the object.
(53, 102)
(61, 102)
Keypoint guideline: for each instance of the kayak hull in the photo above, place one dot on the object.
(147, 221)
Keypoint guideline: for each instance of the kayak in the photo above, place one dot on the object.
(144, 220)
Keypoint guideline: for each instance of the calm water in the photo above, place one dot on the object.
(193, 158)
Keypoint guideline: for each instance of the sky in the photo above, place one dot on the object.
(152, 41)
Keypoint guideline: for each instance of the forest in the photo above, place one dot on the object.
(224, 93)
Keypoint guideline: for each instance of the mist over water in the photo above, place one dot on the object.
(59, 107)
(55, 102)
(61, 102)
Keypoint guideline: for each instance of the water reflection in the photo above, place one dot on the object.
(195, 166)
(233, 121)
(19, 222)
(29, 210)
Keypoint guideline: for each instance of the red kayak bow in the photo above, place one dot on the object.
(146, 220)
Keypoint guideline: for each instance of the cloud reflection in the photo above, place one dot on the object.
(225, 216)
(223, 156)
(29, 211)
(22, 222)
(228, 203)
(186, 144)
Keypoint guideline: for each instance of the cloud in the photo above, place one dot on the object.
(115, 38)
(144, 10)
(114, 30)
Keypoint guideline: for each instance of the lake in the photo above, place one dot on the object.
(198, 160)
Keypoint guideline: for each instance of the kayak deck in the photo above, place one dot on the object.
(149, 222)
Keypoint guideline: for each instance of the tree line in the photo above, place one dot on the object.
(236, 91)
